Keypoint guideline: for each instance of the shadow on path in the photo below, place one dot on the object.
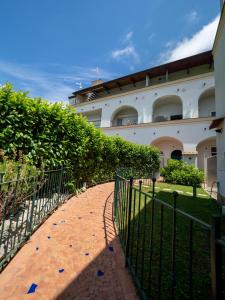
(75, 254)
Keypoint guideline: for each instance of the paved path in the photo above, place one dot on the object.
(73, 255)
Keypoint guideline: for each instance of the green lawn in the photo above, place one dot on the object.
(147, 266)
(202, 207)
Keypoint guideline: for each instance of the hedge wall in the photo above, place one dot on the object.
(56, 135)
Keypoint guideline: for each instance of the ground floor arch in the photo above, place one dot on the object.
(205, 149)
(169, 148)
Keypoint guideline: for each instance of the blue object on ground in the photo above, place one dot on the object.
(61, 270)
(32, 288)
(100, 273)
(111, 248)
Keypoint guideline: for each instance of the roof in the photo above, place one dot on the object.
(216, 123)
(178, 65)
(190, 152)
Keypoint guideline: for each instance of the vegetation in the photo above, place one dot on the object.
(156, 276)
(201, 207)
(53, 135)
(11, 169)
(179, 172)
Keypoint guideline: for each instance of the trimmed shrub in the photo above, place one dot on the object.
(53, 135)
(179, 172)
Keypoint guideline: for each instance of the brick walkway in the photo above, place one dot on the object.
(73, 255)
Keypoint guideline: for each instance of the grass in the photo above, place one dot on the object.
(153, 268)
(202, 206)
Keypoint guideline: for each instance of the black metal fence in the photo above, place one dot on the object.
(25, 203)
(170, 253)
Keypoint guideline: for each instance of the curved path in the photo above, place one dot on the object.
(75, 254)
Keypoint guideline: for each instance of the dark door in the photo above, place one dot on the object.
(176, 154)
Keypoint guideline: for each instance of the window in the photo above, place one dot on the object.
(176, 117)
(213, 113)
(119, 122)
(213, 151)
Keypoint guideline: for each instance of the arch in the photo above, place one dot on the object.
(205, 148)
(206, 103)
(168, 145)
(176, 154)
(167, 108)
(125, 115)
(93, 117)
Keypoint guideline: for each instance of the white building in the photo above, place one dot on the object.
(218, 124)
(170, 106)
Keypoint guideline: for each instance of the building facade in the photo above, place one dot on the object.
(219, 125)
(169, 106)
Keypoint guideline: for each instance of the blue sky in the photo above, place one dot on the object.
(52, 47)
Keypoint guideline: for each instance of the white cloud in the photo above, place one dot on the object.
(51, 85)
(192, 16)
(199, 42)
(128, 36)
(127, 53)
(151, 37)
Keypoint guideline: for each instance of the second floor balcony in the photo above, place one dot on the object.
(125, 116)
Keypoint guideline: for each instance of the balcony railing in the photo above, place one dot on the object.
(162, 118)
(96, 123)
(126, 121)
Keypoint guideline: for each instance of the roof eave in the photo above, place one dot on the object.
(174, 66)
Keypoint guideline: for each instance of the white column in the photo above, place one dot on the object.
(105, 118)
(147, 113)
(190, 155)
(190, 106)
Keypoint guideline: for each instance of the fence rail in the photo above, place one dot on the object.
(170, 253)
(25, 203)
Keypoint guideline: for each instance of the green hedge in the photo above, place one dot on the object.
(179, 172)
(54, 135)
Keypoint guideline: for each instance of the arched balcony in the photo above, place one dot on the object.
(167, 108)
(125, 116)
(206, 104)
(93, 117)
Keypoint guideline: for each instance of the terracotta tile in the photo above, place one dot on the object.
(77, 232)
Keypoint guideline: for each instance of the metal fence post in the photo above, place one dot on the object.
(17, 181)
(127, 249)
(60, 185)
(32, 210)
(153, 186)
(194, 191)
(216, 258)
(151, 227)
(175, 195)
(115, 196)
(2, 174)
